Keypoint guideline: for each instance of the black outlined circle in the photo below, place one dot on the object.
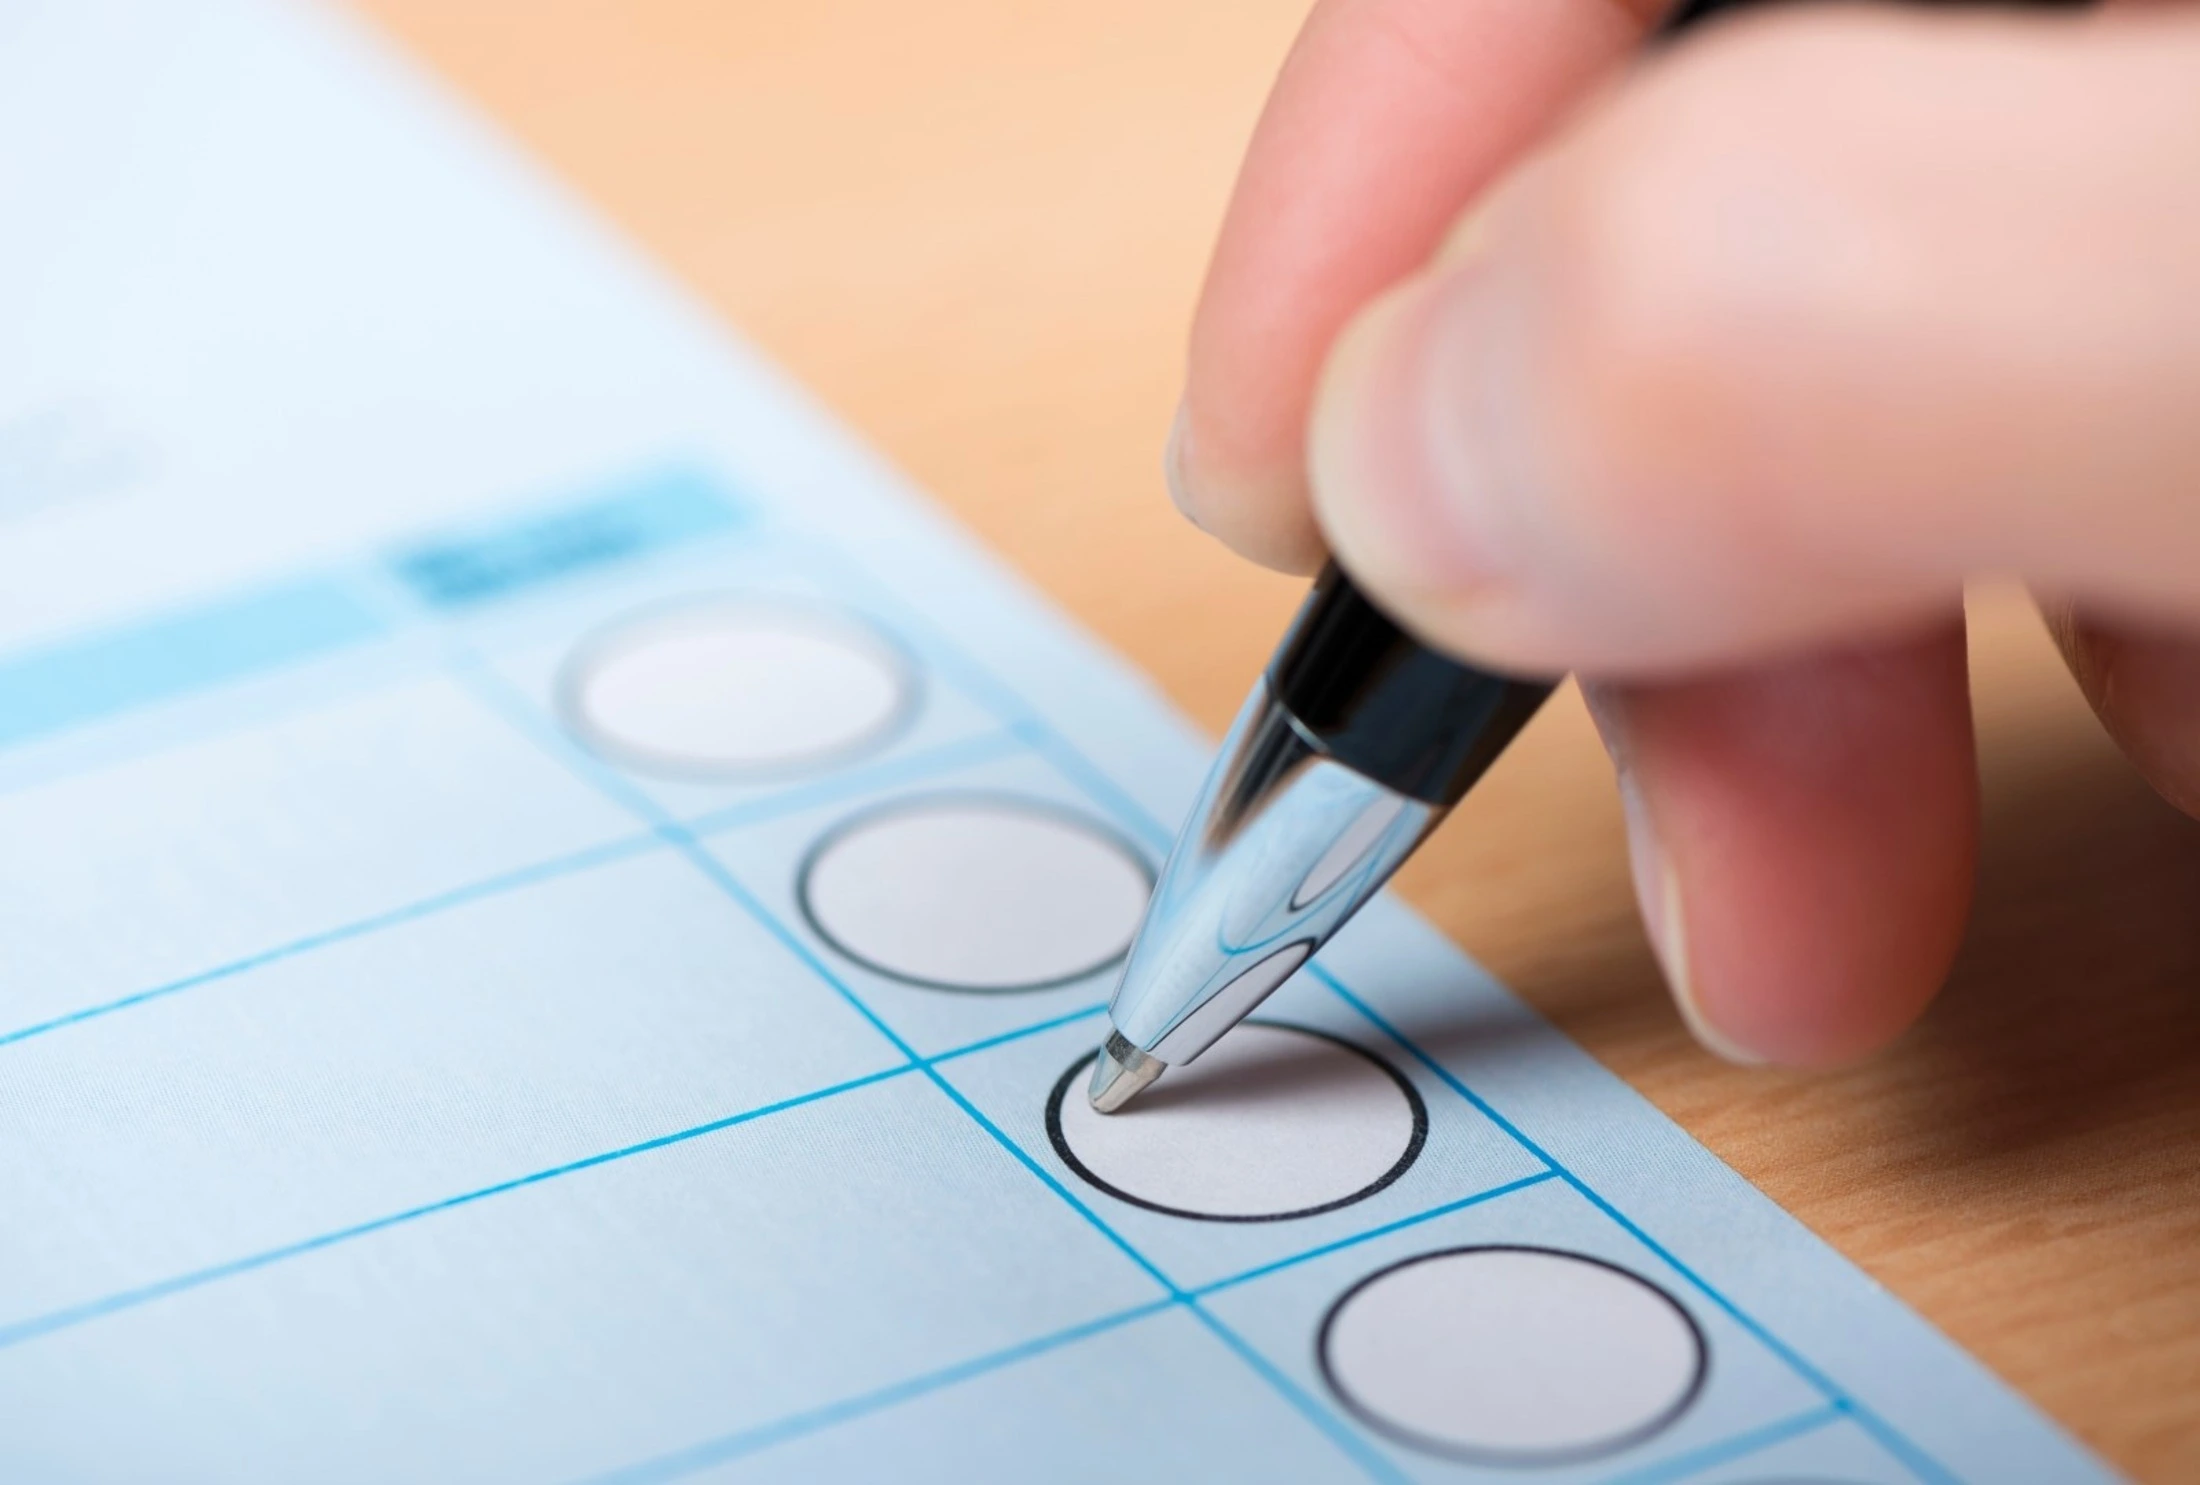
(805, 619)
(944, 800)
(1074, 1077)
(1516, 1458)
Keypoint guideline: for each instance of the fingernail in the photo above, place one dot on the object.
(1172, 465)
(1657, 885)
(1664, 915)
(1415, 452)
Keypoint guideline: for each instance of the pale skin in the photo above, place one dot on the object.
(1712, 376)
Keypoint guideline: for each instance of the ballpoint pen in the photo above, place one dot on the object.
(1353, 746)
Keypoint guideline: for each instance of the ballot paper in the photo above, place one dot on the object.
(553, 914)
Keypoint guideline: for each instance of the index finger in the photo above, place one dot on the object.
(1387, 120)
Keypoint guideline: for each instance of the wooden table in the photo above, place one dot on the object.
(975, 228)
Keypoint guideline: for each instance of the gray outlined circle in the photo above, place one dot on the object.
(1103, 861)
(657, 690)
(1071, 1084)
(1674, 1399)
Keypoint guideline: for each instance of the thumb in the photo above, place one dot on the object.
(1806, 323)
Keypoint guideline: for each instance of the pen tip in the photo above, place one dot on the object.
(1120, 1073)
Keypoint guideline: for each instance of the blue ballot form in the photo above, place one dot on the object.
(553, 913)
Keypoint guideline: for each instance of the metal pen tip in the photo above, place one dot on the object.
(1120, 1073)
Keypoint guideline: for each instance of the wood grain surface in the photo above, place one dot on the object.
(975, 228)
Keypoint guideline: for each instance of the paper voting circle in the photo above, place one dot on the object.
(734, 687)
(1512, 1355)
(979, 892)
(1271, 1122)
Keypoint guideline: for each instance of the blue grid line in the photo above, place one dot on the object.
(62, 1319)
(1051, 1023)
(1035, 729)
(526, 876)
(1741, 1446)
(1366, 1455)
(997, 696)
(1348, 1441)
(1088, 775)
(72, 1315)
(1044, 736)
(1047, 1178)
(754, 1440)
(763, 1436)
(1919, 1462)
(495, 693)
(885, 773)
(501, 699)
(943, 758)
(1373, 1233)
(1028, 722)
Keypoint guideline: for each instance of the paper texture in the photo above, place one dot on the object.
(547, 900)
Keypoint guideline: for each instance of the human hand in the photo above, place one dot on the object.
(1717, 400)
